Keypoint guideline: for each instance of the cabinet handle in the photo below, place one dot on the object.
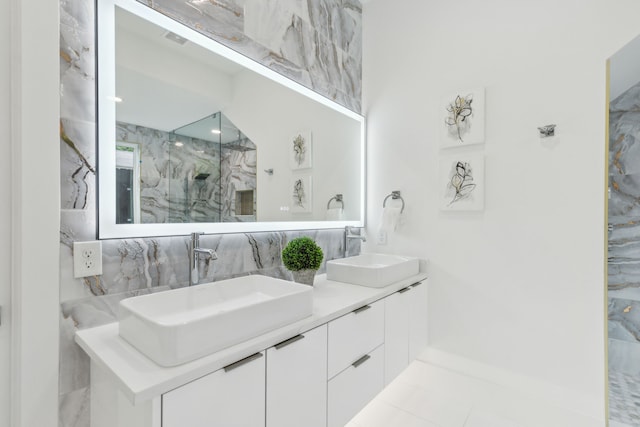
(361, 361)
(361, 309)
(242, 362)
(289, 341)
(402, 291)
(416, 284)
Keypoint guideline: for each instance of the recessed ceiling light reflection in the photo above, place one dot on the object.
(178, 144)
(216, 131)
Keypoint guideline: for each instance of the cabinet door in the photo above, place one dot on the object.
(353, 388)
(354, 335)
(297, 381)
(396, 332)
(231, 397)
(418, 320)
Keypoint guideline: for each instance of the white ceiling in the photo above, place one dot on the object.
(149, 77)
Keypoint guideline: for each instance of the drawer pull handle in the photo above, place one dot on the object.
(415, 285)
(242, 362)
(361, 361)
(361, 309)
(402, 291)
(289, 341)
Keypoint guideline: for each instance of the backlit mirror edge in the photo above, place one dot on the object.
(107, 227)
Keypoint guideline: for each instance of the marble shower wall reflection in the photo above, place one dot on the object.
(315, 42)
(624, 233)
(169, 191)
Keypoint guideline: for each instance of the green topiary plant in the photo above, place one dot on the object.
(302, 253)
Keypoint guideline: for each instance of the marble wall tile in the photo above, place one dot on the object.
(238, 173)
(624, 233)
(624, 320)
(77, 60)
(77, 164)
(624, 255)
(75, 408)
(624, 356)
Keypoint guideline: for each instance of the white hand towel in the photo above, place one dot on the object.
(390, 219)
(335, 214)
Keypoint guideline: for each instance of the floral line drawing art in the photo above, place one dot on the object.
(299, 149)
(299, 197)
(462, 182)
(460, 110)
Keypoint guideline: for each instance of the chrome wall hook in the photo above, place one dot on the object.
(547, 131)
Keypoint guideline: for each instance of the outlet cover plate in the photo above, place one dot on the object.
(87, 259)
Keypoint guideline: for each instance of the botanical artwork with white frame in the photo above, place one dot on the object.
(300, 150)
(462, 182)
(463, 118)
(301, 194)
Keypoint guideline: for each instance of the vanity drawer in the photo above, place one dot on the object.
(353, 388)
(231, 397)
(354, 335)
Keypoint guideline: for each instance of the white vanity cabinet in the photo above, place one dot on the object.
(230, 397)
(405, 332)
(396, 333)
(418, 319)
(297, 381)
(320, 376)
(356, 362)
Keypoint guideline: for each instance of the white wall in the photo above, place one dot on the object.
(35, 211)
(519, 286)
(5, 219)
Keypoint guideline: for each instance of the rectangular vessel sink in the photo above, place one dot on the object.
(181, 325)
(372, 270)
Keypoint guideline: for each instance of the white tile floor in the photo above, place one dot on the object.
(428, 396)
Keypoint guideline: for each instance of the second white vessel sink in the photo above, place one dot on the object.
(372, 270)
(181, 325)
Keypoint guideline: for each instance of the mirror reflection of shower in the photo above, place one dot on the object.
(221, 174)
(204, 171)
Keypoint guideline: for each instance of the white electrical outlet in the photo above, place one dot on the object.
(87, 259)
(382, 237)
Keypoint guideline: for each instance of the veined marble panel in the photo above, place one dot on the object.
(625, 196)
(75, 408)
(170, 190)
(624, 356)
(77, 60)
(266, 22)
(624, 254)
(624, 133)
(624, 320)
(238, 174)
(77, 164)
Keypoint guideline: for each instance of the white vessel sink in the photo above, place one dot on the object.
(372, 270)
(181, 325)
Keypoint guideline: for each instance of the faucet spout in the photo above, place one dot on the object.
(348, 235)
(194, 254)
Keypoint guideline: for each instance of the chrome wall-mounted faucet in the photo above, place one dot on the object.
(194, 254)
(348, 235)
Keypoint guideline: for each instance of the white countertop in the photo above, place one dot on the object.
(141, 379)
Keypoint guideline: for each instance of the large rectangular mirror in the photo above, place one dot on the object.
(194, 136)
